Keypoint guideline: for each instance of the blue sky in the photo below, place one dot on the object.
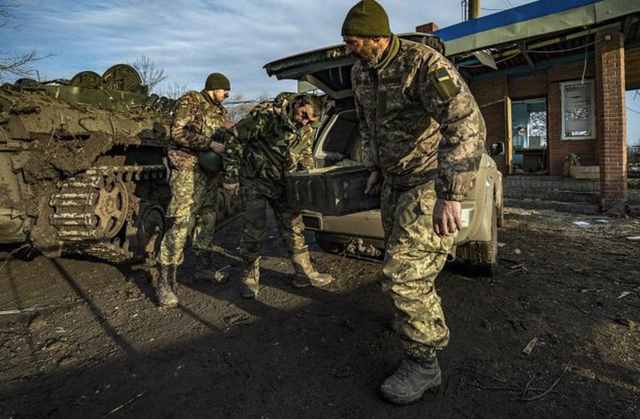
(633, 117)
(191, 38)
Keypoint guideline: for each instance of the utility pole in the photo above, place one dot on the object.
(474, 9)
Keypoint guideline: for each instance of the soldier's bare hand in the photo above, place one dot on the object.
(447, 217)
(228, 124)
(233, 188)
(372, 183)
(217, 147)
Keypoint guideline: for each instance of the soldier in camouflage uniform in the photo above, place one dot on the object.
(198, 117)
(275, 138)
(423, 134)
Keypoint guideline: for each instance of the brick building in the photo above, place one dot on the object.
(550, 77)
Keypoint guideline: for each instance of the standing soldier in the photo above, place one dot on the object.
(275, 138)
(424, 136)
(197, 117)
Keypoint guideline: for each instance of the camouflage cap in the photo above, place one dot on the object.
(366, 19)
(217, 81)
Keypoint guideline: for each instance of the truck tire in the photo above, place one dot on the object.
(481, 258)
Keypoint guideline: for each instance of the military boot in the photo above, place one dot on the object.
(165, 290)
(306, 274)
(250, 280)
(411, 380)
(208, 271)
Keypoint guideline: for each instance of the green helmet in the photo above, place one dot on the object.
(217, 81)
(210, 162)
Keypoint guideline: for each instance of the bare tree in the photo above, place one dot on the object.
(18, 64)
(238, 107)
(149, 72)
(173, 90)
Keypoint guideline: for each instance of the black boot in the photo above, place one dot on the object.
(411, 380)
(166, 289)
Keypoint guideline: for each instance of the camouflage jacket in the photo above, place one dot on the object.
(266, 144)
(195, 120)
(419, 120)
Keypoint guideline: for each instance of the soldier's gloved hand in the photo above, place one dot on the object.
(217, 147)
(372, 183)
(447, 217)
(219, 135)
(233, 188)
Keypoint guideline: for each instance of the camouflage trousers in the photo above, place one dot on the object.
(414, 257)
(191, 189)
(288, 220)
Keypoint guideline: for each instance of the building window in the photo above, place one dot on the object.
(529, 136)
(578, 110)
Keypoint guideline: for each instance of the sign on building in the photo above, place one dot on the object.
(578, 110)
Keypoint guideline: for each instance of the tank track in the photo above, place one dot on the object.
(94, 212)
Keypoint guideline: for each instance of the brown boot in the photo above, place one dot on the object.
(166, 289)
(306, 275)
(250, 280)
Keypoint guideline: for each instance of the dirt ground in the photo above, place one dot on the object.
(96, 346)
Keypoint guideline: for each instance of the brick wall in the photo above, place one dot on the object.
(559, 149)
(610, 80)
(427, 28)
(543, 83)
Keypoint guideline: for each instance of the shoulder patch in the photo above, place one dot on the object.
(444, 84)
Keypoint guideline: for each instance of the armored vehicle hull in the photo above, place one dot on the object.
(83, 166)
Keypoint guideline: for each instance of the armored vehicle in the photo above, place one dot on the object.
(343, 218)
(83, 165)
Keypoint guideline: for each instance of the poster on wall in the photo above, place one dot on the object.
(578, 110)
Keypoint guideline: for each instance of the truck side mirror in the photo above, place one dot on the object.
(496, 149)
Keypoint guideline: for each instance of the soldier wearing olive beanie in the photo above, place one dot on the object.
(366, 19)
(422, 136)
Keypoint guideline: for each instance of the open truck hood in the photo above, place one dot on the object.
(329, 68)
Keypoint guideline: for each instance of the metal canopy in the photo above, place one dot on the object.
(538, 19)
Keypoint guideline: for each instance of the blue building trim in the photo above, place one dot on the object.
(508, 17)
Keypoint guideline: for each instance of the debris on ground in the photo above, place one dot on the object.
(530, 346)
(295, 350)
(624, 294)
(582, 224)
